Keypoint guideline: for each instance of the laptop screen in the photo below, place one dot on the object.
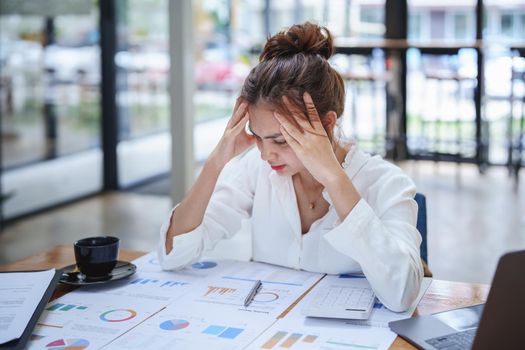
(461, 319)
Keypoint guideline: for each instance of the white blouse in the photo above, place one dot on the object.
(378, 237)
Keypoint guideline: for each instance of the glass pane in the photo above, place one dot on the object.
(507, 25)
(142, 61)
(442, 21)
(460, 26)
(227, 38)
(50, 90)
(504, 25)
(50, 100)
(505, 19)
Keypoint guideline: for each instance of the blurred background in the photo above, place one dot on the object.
(88, 129)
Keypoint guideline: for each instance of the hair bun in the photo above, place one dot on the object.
(307, 38)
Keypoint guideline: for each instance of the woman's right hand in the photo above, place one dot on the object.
(234, 140)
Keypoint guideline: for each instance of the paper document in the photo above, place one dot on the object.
(20, 294)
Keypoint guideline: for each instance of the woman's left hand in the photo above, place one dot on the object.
(312, 145)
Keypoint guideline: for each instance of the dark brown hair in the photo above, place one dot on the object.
(292, 62)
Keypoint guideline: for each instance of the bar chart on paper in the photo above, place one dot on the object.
(159, 283)
(288, 340)
(65, 307)
(223, 331)
(225, 294)
(300, 340)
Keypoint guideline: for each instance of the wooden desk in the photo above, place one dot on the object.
(440, 296)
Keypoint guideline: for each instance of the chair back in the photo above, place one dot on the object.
(421, 224)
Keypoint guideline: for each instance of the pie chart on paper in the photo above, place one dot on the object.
(174, 325)
(68, 344)
(203, 265)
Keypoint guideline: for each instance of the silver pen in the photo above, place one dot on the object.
(253, 292)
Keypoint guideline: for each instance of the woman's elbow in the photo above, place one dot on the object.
(406, 294)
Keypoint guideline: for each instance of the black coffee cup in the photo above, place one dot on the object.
(96, 256)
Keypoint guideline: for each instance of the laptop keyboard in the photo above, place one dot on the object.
(455, 341)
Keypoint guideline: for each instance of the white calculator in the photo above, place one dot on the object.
(335, 301)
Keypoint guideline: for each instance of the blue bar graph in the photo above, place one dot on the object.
(54, 307)
(231, 333)
(213, 329)
(146, 281)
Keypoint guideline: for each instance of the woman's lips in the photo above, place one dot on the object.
(278, 167)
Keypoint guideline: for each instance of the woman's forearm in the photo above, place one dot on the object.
(343, 193)
(190, 212)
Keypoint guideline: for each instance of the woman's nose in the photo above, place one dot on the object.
(267, 152)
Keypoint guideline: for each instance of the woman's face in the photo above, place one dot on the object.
(270, 142)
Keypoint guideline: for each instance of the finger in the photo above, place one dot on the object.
(238, 101)
(313, 116)
(238, 113)
(296, 146)
(290, 129)
(292, 106)
(299, 117)
(241, 125)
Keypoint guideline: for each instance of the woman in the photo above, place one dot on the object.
(315, 203)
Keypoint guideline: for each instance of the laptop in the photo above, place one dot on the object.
(497, 324)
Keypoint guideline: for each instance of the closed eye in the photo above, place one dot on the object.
(283, 142)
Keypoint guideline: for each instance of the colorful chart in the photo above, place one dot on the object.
(204, 265)
(68, 344)
(289, 342)
(174, 325)
(65, 307)
(223, 331)
(265, 297)
(143, 281)
(119, 315)
(219, 290)
(147, 281)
